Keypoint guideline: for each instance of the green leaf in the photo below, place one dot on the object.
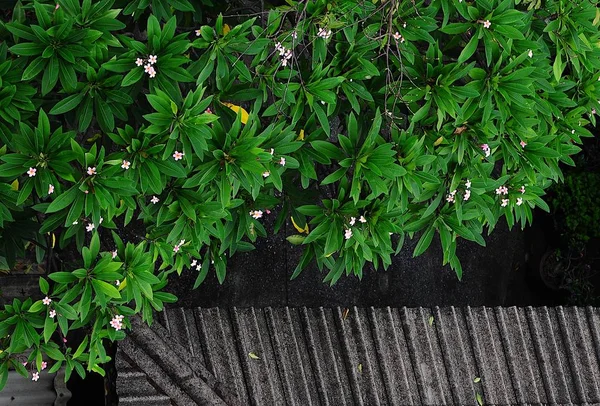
(67, 104)
(132, 77)
(424, 241)
(106, 288)
(44, 286)
(469, 49)
(63, 200)
(34, 68)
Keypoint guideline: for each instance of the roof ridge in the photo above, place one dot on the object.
(181, 380)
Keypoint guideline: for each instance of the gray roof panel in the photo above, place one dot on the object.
(358, 356)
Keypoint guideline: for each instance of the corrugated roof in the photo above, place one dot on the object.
(387, 356)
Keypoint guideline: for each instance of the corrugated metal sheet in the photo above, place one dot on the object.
(387, 356)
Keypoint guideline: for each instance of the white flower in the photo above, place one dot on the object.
(118, 282)
(101, 220)
(522, 190)
(35, 377)
(152, 59)
(504, 202)
(362, 219)
(194, 262)
(114, 254)
(282, 161)
(50, 189)
(256, 214)
(348, 234)
(126, 164)
(154, 200)
(147, 68)
(352, 220)
(467, 194)
(139, 61)
(198, 267)
(272, 151)
(324, 33)
(75, 222)
(397, 36)
(152, 73)
(198, 33)
(176, 248)
(91, 170)
(52, 314)
(519, 201)
(31, 172)
(178, 155)
(468, 184)
(530, 53)
(487, 24)
(46, 301)
(266, 174)
(89, 227)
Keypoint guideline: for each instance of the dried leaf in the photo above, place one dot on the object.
(460, 130)
(226, 29)
(477, 380)
(360, 368)
(253, 355)
(479, 399)
(345, 314)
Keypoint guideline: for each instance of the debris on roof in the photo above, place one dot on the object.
(387, 356)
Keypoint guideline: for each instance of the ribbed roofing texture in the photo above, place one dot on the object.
(388, 356)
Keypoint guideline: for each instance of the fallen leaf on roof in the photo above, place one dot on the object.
(253, 355)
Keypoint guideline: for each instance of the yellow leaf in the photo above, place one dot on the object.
(430, 320)
(235, 108)
(301, 135)
(253, 355)
(297, 227)
(345, 314)
(123, 284)
(438, 141)
(53, 240)
(94, 138)
(15, 185)
(226, 29)
(477, 380)
(360, 368)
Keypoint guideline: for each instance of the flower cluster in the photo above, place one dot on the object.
(467, 194)
(324, 33)
(117, 322)
(398, 37)
(177, 247)
(486, 149)
(502, 190)
(148, 67)
(451, 197)
(284, 53)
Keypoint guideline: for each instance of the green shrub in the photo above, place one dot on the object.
(180, 129)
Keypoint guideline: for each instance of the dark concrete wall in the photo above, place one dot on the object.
(261, 278)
